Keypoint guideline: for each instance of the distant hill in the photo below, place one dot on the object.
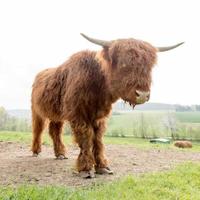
(121, 106)
(155, 106)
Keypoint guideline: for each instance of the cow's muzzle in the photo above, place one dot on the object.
(141, 96)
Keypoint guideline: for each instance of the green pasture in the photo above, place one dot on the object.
(188, 117)
(131, 129)
(181, 183)
(139, 124)
(178, 125)
(26, 137)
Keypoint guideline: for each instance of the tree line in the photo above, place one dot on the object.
(180, 108)
(11, 123)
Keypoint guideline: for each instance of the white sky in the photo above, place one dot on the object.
(38, 34)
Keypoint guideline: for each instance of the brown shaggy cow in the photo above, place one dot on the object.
(183, 144)
(82, 91)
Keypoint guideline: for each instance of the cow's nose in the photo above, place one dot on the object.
(141, 96)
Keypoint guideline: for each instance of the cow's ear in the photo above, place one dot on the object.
(105, 54)
(110, 55)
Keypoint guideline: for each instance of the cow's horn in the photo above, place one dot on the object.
(96, 41)
(161, 49)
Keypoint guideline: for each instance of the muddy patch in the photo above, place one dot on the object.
(17, 166)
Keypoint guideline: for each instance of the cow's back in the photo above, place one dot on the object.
(46, 98)
(76, 88)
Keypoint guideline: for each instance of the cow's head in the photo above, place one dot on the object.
(129, 64)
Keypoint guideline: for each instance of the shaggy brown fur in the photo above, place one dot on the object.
(183, 144)
(82, 91)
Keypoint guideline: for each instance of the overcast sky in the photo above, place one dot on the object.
(35, 35)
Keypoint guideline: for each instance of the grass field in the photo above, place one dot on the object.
(181, 183)
(188, 117)
(136, 142)
(155, 124)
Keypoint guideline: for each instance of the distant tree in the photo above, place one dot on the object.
(170, 124)
(143, 126)
(3, 118)
(197, 107)
(10, 123)
(180, 108)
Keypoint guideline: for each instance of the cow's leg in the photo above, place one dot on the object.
(83, 134)
(55, 131)
(101, 166)
(38, 125)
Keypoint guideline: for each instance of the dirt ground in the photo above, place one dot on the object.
(17, 166)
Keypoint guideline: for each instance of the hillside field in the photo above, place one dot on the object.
(155, 124)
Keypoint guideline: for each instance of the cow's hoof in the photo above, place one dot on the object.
(61, 157)
(103, 170)
(35, 154)
(87, 174)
